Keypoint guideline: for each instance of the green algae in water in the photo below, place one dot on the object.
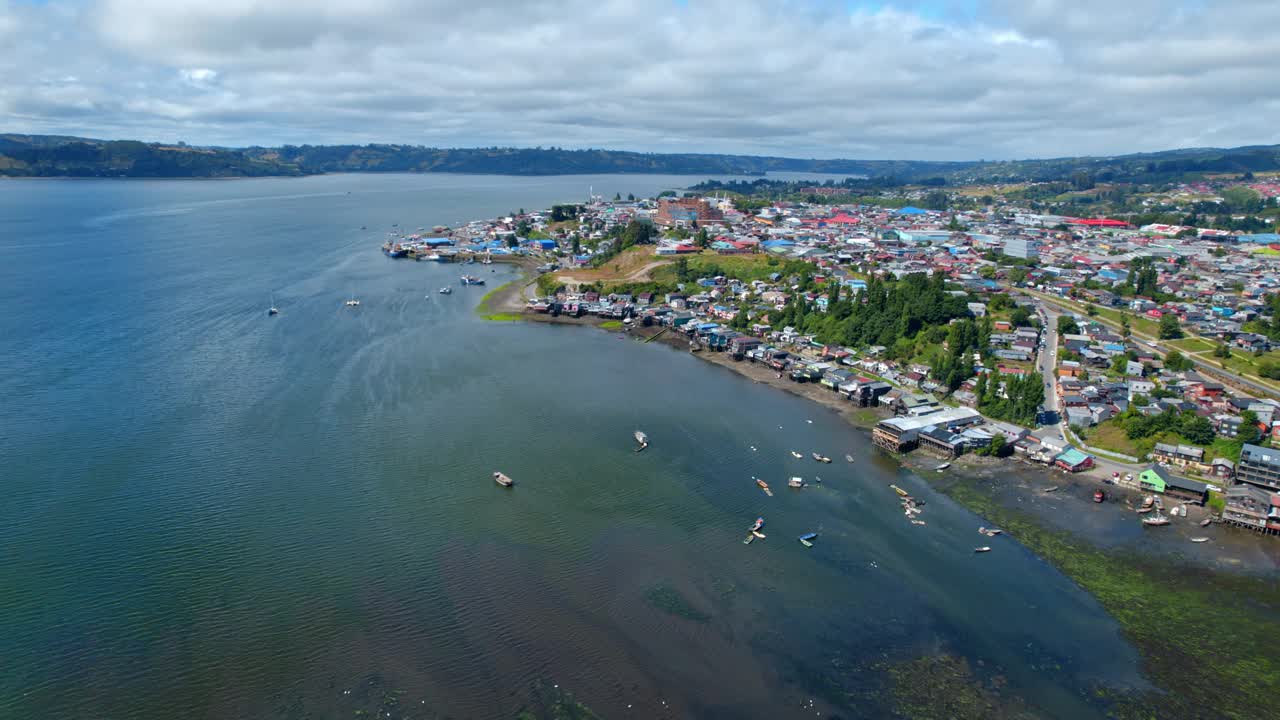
(943, 687)
(552, 703)
(670, 601)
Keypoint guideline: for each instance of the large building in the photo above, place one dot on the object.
(1259, 466)
(1021, 247)
(686, 211)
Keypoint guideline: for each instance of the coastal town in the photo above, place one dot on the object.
(1140, 356)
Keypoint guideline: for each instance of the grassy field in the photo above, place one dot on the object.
(623, 267)
(742, 267)
(1206, 638)
(1193, 345)
(1110, 436)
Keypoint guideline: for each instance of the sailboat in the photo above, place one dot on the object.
(273, 310)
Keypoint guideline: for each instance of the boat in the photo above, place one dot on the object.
(446, 291)
(757, 533)
(1199, 539)
(1155, 520)
(1099, 496)
(943, 466)
(764, 486)
(808, 538)
(984, 548)
(759, 523)
(353, 303)
(1144, 510)
(899, 490)
(472, 280)
(848, 458)
(990, 532)
(642, 438)
(821, 458)
(1055, 488)
(795, 454)
(503, 480)
(795, 482)
(918, 522)
(1205, 522)
(1148, 502)
(750, 537)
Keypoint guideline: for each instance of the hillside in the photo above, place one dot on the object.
(53, 155)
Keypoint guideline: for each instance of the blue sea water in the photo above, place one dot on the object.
(209, 513)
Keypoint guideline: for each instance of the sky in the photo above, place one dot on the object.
(905, 79)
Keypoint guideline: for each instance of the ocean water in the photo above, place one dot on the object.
(212, 513)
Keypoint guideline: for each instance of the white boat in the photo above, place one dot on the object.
(984, 548)
(352, 303)
(642, 438)
(795, 482)
(943, 466)
(446, 291)
(273, 310)
(503, 480)
(795, 454)
(1155, 520)
(1199, 539)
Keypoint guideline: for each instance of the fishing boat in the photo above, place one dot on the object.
(764, 486)
(759, 523)
(795, 482)
(1155, 520)
(446, 291)
(1099, 496)
(808, 538)
(943, 466)
(899, 490)
(795, 454)
(984, 548)
(848, 458)
(1205, 522)
(1199, 539)
(821, 458)
(503, 480)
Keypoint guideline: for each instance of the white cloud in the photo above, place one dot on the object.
(1019, 78)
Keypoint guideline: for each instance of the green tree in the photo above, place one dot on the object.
(1196, 429)
(1249, 432)
(1177, 362)
(999, 446)
(1222, 351)
(577, 245)
(702, 239)
(1169, 328)
(1067, 325)
(1091, 310)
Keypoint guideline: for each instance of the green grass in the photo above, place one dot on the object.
(502, 317)
(1191, 345)
(1110, 436)
(742, 267)
(1206, 638)
(611, 324)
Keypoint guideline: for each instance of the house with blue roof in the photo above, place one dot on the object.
(910, 210)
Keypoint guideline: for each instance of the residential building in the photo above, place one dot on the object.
(1259, 466)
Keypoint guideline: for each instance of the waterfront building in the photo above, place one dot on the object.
(1259, 466)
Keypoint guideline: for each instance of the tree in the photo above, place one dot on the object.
(1125, 331)
(1067, 325)
(998, 446)
(1196, 429)
(1222, 351)
(512, 241)
(577, 245)
(1120, 364)
(1177, 362)
(1091, 310)
(702, 239)
(1169, 328)
(1249, 432)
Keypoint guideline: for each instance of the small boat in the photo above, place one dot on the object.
(503, 480)
(1144, 510)
(984, 548)
(446, 291)
(750, 537)
(1055, 488)
(795, 454)
(795, 482)
(1199, 539)
(821, 458)
(759, 523)
(1155, 520)
(808, 538)
(943, 466)
(753, 448)
(1205, 522)
(899, 490)
(641, 438)
(764, 486)
(848, 458)
(990, 532)
(353, 303)
(273, 310)
(757, 533)
(472, 280)
(918, 522)
(1099, 496)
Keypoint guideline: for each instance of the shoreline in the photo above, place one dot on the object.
(1183, 614)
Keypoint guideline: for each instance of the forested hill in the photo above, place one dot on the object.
(56, 155)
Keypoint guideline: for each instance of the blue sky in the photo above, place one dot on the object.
(946, 79)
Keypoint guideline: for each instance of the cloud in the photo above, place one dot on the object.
(811, 78)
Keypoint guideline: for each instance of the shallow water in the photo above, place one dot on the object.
(210, 512)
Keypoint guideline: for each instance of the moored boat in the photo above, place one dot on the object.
(1199, 539)
(848, 458)
(795, 454)
(795, 482)
(764, 486)
(808, 538)
(1099, 496)
(503, 480)
(757, 533)
(982, 549)
(899, 490)
(759, 523)
(943, 466)
(1155, 520)
(821, 458)
(446, 291)
(750, 537)
(1205, 522)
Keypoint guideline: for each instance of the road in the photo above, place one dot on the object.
(1207, 368)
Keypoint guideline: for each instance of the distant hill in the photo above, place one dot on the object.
(63, 156)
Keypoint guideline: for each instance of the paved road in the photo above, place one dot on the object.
(1207, 367)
